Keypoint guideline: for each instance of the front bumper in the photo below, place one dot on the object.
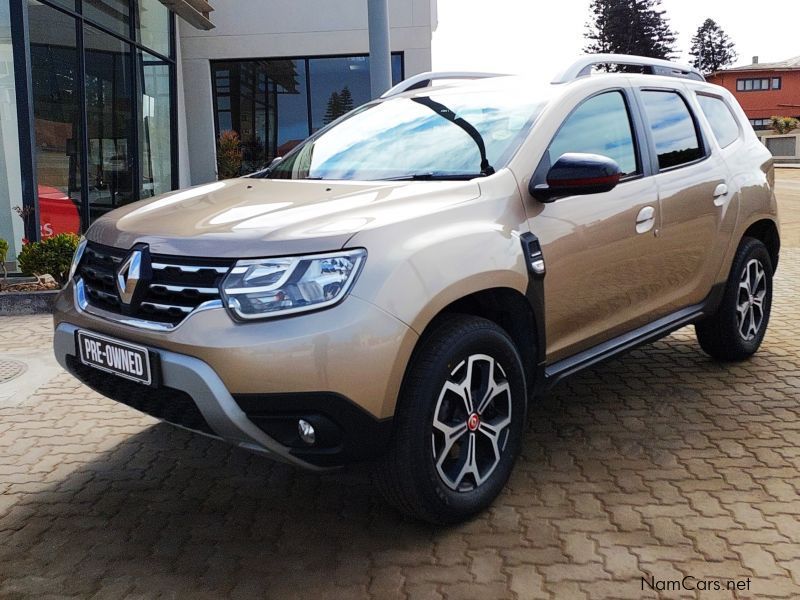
(249, 383)
(191, 395)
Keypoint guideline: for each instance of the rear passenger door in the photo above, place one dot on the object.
(693, 196)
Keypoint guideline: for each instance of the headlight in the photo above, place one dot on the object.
(76, 258)
(276, 287)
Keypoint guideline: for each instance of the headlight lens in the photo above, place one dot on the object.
(274, 287)
(76, 258)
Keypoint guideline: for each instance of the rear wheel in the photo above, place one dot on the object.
(459, 423)
(737, 329)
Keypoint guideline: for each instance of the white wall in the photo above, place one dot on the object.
(275, 28)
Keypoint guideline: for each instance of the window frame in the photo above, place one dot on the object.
(307, 58)
(21, 38)
(640, 149)
(740, 129)
(756, 84)
(699, 132)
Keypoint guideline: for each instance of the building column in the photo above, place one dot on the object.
(380, 54)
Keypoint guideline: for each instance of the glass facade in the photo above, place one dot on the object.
(274, 104)
(102, 108)
(11, 225)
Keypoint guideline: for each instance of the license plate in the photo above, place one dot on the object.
(113, 356)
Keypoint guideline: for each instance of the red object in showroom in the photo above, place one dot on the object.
(57, 212)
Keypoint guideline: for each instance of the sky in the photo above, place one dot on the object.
(540, 37)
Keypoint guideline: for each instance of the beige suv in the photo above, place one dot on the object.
(401, 285)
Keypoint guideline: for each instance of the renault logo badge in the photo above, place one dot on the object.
(128, 276)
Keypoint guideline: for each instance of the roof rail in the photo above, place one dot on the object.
(652, 66)
(423, 80)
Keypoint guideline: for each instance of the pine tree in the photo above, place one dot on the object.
(334, 109)
(712, 49)
(629, 27)
(347, 100)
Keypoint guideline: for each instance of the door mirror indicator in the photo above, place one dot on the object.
(576, 174)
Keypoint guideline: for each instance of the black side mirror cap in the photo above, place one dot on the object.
(576, 174)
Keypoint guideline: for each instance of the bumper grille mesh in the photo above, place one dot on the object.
(167, 404)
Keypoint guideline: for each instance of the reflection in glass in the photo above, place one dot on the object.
(673, 128)
(264, 101)
(267, 101)
(155, 135)
(109, 108)
(112, 14)
(11, 226)
(152, 27)
(338, 85)
(55, 81)
(601, 125)
(720, 118)
(402, 137)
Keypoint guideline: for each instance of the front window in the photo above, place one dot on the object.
(441, 136)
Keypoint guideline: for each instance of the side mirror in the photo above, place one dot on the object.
(576, 174)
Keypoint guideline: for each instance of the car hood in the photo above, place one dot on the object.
(247, 218)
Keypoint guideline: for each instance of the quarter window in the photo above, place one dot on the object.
(719, 116)
(601, 125)
(673, 128)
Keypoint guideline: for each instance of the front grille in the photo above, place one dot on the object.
(167, 404)
(178, 286)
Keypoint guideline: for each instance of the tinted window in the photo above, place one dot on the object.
(600, 125)
(673, 129)
(720, 118)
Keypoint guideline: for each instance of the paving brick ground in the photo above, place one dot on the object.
(661, 463)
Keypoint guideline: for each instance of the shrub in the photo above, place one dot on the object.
(229, 155)
(784, 124)
(51, 256)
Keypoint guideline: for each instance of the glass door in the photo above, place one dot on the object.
(110, 120)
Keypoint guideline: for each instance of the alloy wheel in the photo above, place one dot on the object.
(471, 423)
(750, 301)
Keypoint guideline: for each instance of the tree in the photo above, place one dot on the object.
(334, 109)
(629, 27)
(347, 100)
(712, 49)
(339, 103)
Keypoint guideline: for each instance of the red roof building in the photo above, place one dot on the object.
(764, 89)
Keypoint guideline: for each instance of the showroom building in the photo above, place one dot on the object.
(105, 102)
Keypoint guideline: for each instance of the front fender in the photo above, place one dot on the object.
(418, 266)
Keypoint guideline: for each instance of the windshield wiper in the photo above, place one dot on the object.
(446, 113)
(435, 177)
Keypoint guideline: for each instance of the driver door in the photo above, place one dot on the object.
(601, 250)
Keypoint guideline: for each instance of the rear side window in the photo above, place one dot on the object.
(673, 128)
(601, 125)
(719, 116)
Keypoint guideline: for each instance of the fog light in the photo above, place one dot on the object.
(306, 432)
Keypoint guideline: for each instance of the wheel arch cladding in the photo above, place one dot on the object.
(766, 230)
(510, 310)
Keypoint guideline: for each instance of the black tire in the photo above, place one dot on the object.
(408, 476)
(720, 335)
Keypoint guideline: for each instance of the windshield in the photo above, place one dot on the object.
(447, 135)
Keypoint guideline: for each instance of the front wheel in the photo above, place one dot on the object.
(459, 422)
(737, 329)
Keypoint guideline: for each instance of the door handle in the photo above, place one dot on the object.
(645, 219)
(719, 194)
